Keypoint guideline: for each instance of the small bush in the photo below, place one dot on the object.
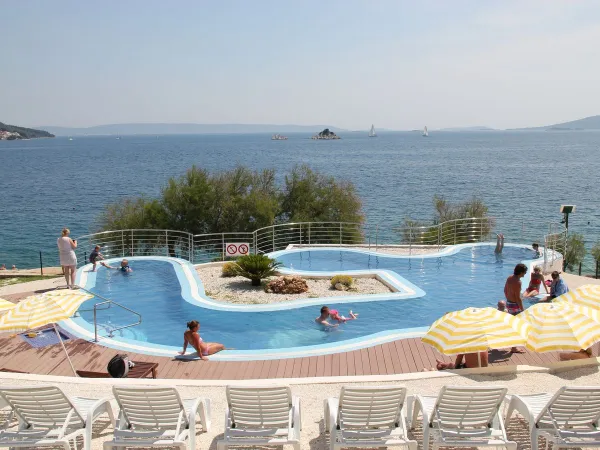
(287, 285)
(256, 267)
(229, 270)
(345, 280)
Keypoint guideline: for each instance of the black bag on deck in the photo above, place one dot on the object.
(118, 366)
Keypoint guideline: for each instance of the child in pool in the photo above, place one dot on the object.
(335, 315)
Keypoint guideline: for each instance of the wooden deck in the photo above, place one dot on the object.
(398, 357)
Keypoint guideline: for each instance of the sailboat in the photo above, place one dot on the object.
(425, 133)
(372, 132)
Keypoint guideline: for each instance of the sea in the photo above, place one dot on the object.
(48, 184)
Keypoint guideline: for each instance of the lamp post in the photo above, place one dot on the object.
(566, 210)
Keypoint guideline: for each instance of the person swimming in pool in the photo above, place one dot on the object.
(125, 266)
(192, 338)
(324, 317)
(335, 315)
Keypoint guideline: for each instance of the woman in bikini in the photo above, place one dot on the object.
(192, 337)
(537, 280)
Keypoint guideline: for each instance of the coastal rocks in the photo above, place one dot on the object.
(287, 285)
(340, 287)
(326, 134)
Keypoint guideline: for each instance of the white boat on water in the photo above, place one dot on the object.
(278, 137)
(372, 132)
(425, 133)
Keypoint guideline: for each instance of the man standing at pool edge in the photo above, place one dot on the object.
(512, 292)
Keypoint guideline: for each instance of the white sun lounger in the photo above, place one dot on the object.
(568, 418)
(367, 417)
(261, 416)
(157, 417)
(47, 417)
(462, 417)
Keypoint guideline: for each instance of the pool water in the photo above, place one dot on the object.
(473, 276)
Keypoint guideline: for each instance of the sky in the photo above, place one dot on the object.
(347, 63)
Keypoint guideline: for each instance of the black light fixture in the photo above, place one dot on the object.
(566, 210)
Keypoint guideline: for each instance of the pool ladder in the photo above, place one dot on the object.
(110, 303)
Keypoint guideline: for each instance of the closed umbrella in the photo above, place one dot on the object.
(43, 309)
(475, 330)
(587, 295)
(561, 326)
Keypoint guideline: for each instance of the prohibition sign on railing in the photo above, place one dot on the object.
(238, 249)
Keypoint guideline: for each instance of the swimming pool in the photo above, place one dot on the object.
(168, 293)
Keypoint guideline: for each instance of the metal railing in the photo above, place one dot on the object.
(110, 303)
(202, 248)
(556, 241)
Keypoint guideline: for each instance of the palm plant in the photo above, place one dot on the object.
(256, 267)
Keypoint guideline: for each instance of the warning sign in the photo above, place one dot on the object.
(237, 249)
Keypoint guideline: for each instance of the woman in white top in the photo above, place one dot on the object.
(68, 259)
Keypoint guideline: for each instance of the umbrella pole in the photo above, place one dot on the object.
(64, 348)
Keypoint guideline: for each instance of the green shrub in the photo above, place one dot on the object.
(346, 280)
(596, 251)
(575, 251)
(256, 267)
(229, 270)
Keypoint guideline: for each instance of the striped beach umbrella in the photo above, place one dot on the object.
(43, 309)
(5, 305)
(561, 326)
(587, 295)
(475, 330)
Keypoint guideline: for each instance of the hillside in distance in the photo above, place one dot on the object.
(587, 123)
(12, 132)
(184, 128)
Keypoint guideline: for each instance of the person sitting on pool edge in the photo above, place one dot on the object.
(558, 287)
(204, 349)
(537, 280)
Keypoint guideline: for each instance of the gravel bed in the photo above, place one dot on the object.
(239, 290)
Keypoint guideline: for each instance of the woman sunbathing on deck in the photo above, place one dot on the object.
(192, 337)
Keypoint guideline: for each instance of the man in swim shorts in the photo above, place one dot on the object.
(322, 319)
(512, 292)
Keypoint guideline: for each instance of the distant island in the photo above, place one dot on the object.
(125, 129)
(11, 133)
(475, 128)
(326, 134)
(587, 123)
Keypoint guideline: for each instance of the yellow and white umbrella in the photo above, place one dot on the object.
(561, 326)
(587, 295)
(43, 309)
(5, 305)
(475, 330)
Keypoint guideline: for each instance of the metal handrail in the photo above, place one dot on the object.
(110, 303)
(207, 247)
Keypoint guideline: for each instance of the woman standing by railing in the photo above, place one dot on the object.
(68, 259)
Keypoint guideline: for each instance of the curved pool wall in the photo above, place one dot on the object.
(192, 291)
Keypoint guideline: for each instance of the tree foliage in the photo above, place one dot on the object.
(237, 200)
(595, 252)
(454, 231)
(575, 251)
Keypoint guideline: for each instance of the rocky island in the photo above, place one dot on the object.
(326, 134)
(11, 133)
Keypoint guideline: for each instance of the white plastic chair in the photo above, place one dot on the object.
(367, 417)
(157, 417)
(47, 417)
(462, 417)
(261, 416)
(568, 418)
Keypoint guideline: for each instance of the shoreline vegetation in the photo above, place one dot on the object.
(13, 133)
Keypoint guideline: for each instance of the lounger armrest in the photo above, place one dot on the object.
(331, 413)
(100, 406)
(201, 407)
(519, 403)
(296, 416)
(418, 404)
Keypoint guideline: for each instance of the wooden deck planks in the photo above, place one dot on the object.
(401, 356)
